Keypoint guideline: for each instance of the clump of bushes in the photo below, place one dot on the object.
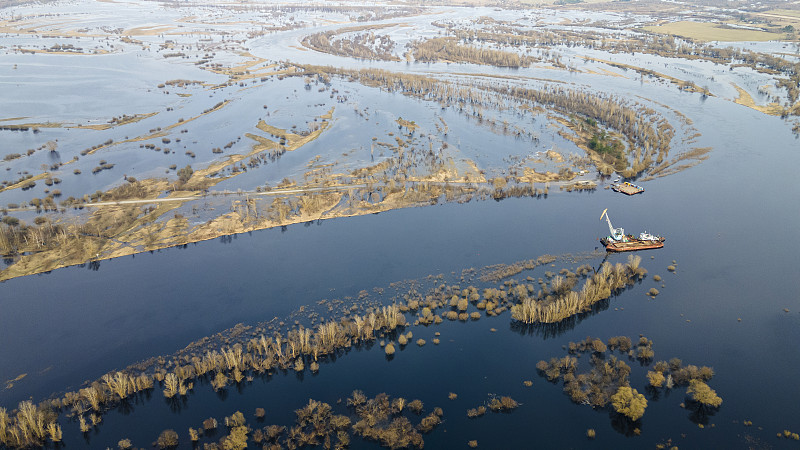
(185, 174)
(703, 394)
(789, 435)
(476, 412)
(607, 380)
(566, 302)
(103, 166)
(167, 439)
(629, 403)
(502, 404)
(381, 419)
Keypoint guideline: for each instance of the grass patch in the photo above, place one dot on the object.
(745, 99)
(707, 31)
(288, 141)
(124, 120)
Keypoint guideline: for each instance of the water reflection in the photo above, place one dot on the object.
(91, 265)
(623, 425)
(177, 403)
(652, 393)
(553, 330)
(698, 412)
(125, 407)
(222, 394)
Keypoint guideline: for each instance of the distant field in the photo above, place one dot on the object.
(712, 32)
(571, 3)
(781, 17)
(783, 12)
(566, 3)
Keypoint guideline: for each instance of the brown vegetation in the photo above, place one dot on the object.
(476, 412)
(450, 50)
(608, 379)
(564, 302)
(349, 41)
(31, 426)
(703, 394)
(229, 364)
(381, 421)
(641, 128)
(167, 439)
(648, 135)
(508, 34)
(502, 404)
(299, 346)
(629, 403)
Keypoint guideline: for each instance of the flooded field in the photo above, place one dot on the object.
(259, 225)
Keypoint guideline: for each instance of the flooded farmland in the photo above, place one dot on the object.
(276, 225)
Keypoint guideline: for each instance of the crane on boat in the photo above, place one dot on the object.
(616, 233)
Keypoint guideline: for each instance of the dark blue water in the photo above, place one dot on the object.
(731, 263)
(730, 224)
(134, 307)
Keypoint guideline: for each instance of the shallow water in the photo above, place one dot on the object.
(728, 221)
(722, 275)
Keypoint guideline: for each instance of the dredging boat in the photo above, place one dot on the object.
(618, 241)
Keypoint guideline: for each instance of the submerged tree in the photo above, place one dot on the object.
(703, 394)
(629, 402)
(185, 173)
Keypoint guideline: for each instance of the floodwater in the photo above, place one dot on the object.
(729, 224)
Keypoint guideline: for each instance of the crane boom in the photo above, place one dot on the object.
(616, 233)
(605, 214)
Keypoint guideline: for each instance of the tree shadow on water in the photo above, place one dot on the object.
(699, 413)
(222, 394)
(554, 330)
(625, 426)
(652, 393)
(177, 403)
(125, 407)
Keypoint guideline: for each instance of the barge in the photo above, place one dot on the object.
(627, 188)
(618, 241)
(631, 243)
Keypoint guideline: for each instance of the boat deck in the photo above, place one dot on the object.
(628, 188)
